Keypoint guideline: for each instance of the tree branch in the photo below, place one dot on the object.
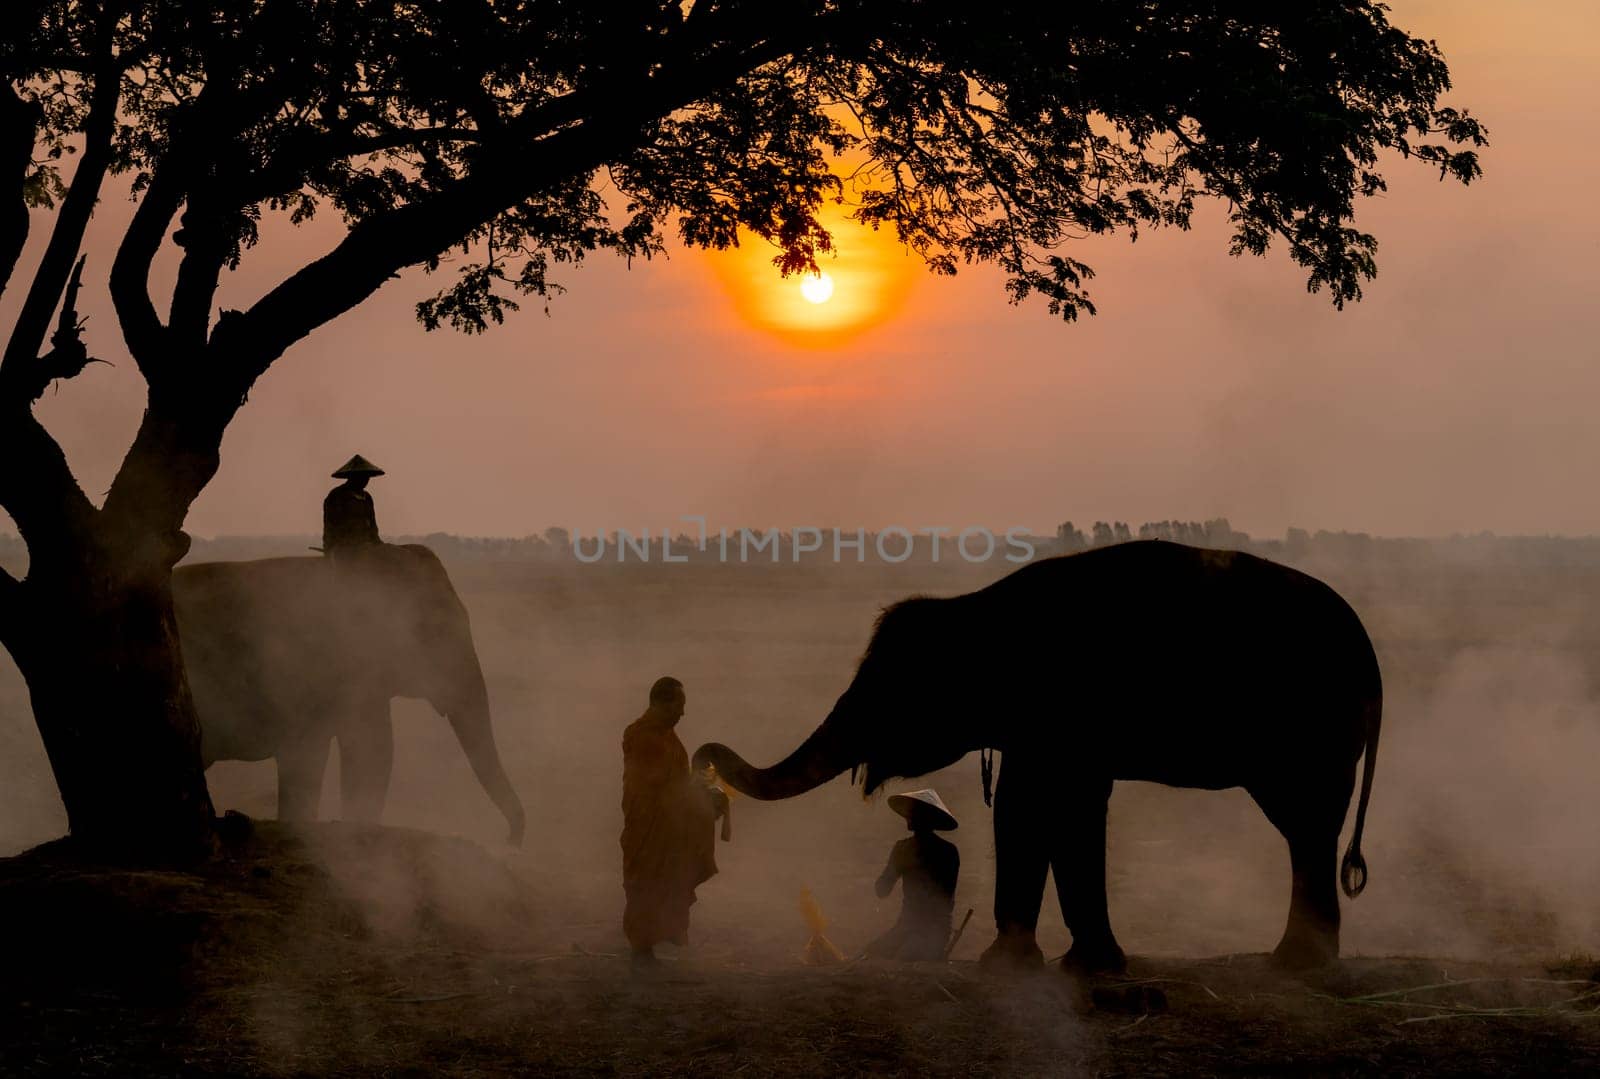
(130, 270)
(38, 490)
(19, 126)
(376, 249)
(511, 170)
(288, 170)
(203, 255)
(26, 380)
(694, 17)
(55, 267)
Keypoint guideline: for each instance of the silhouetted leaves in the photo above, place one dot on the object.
(979, 133)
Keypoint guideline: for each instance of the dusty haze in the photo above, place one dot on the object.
(1479, 838)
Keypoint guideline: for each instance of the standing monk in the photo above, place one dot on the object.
(668, 818)
(349, 522)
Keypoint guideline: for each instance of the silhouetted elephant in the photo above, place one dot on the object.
(1152, 661)
(285, 654)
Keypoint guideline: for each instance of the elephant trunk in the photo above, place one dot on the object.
(823, 755)
(467, 711)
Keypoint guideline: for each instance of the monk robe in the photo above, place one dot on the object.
(668, 823)
(348, 519)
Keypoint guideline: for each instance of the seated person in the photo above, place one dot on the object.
(927, 867)
(349, 522)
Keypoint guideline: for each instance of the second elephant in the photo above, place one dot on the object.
(286, 654)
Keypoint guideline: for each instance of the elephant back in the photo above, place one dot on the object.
(271, 642)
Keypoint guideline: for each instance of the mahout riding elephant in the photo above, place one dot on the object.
(286, 654)
(1148, 660)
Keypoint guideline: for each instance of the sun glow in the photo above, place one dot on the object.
(863, 282)
(818, 287)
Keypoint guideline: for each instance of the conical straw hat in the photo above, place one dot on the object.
(357, 466)
(942, 820)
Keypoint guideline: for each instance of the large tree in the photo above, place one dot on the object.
(990, 132)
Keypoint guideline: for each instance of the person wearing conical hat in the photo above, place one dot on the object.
(349, 522)
(927, 866)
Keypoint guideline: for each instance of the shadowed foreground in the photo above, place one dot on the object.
(354, 950)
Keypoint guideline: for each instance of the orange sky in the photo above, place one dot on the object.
(1460, 395)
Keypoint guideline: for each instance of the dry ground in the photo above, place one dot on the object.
(348, 950)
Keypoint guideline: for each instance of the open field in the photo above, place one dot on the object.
(1479, 842)
(419, 955)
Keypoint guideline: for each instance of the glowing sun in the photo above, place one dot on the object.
(862, 283)
(818, 287)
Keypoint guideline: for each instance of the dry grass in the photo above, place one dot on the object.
(347, 950)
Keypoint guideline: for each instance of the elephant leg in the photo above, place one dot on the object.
(1078, 860)
(366, 760)
(1021, 859)
(300, 767)
(1310, 823)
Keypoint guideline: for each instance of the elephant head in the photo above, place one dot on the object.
(907, 712)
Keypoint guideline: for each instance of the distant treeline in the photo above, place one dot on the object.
(768, 545)
(1297, 545)
(974, 545)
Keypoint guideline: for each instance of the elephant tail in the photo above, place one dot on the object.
(1353, 870)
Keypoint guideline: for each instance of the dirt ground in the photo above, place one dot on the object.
(351, 950)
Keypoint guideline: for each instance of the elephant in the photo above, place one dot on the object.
(286, 654)
(1141, 661)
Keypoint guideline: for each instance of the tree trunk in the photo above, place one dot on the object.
(104, 669)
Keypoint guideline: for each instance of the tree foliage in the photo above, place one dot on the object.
(527, 135)
(496, 142)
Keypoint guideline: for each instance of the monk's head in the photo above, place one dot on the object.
(667, 700)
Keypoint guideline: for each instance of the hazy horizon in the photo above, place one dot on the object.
(688, 529)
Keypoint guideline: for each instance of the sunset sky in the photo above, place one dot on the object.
(1461, 395)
